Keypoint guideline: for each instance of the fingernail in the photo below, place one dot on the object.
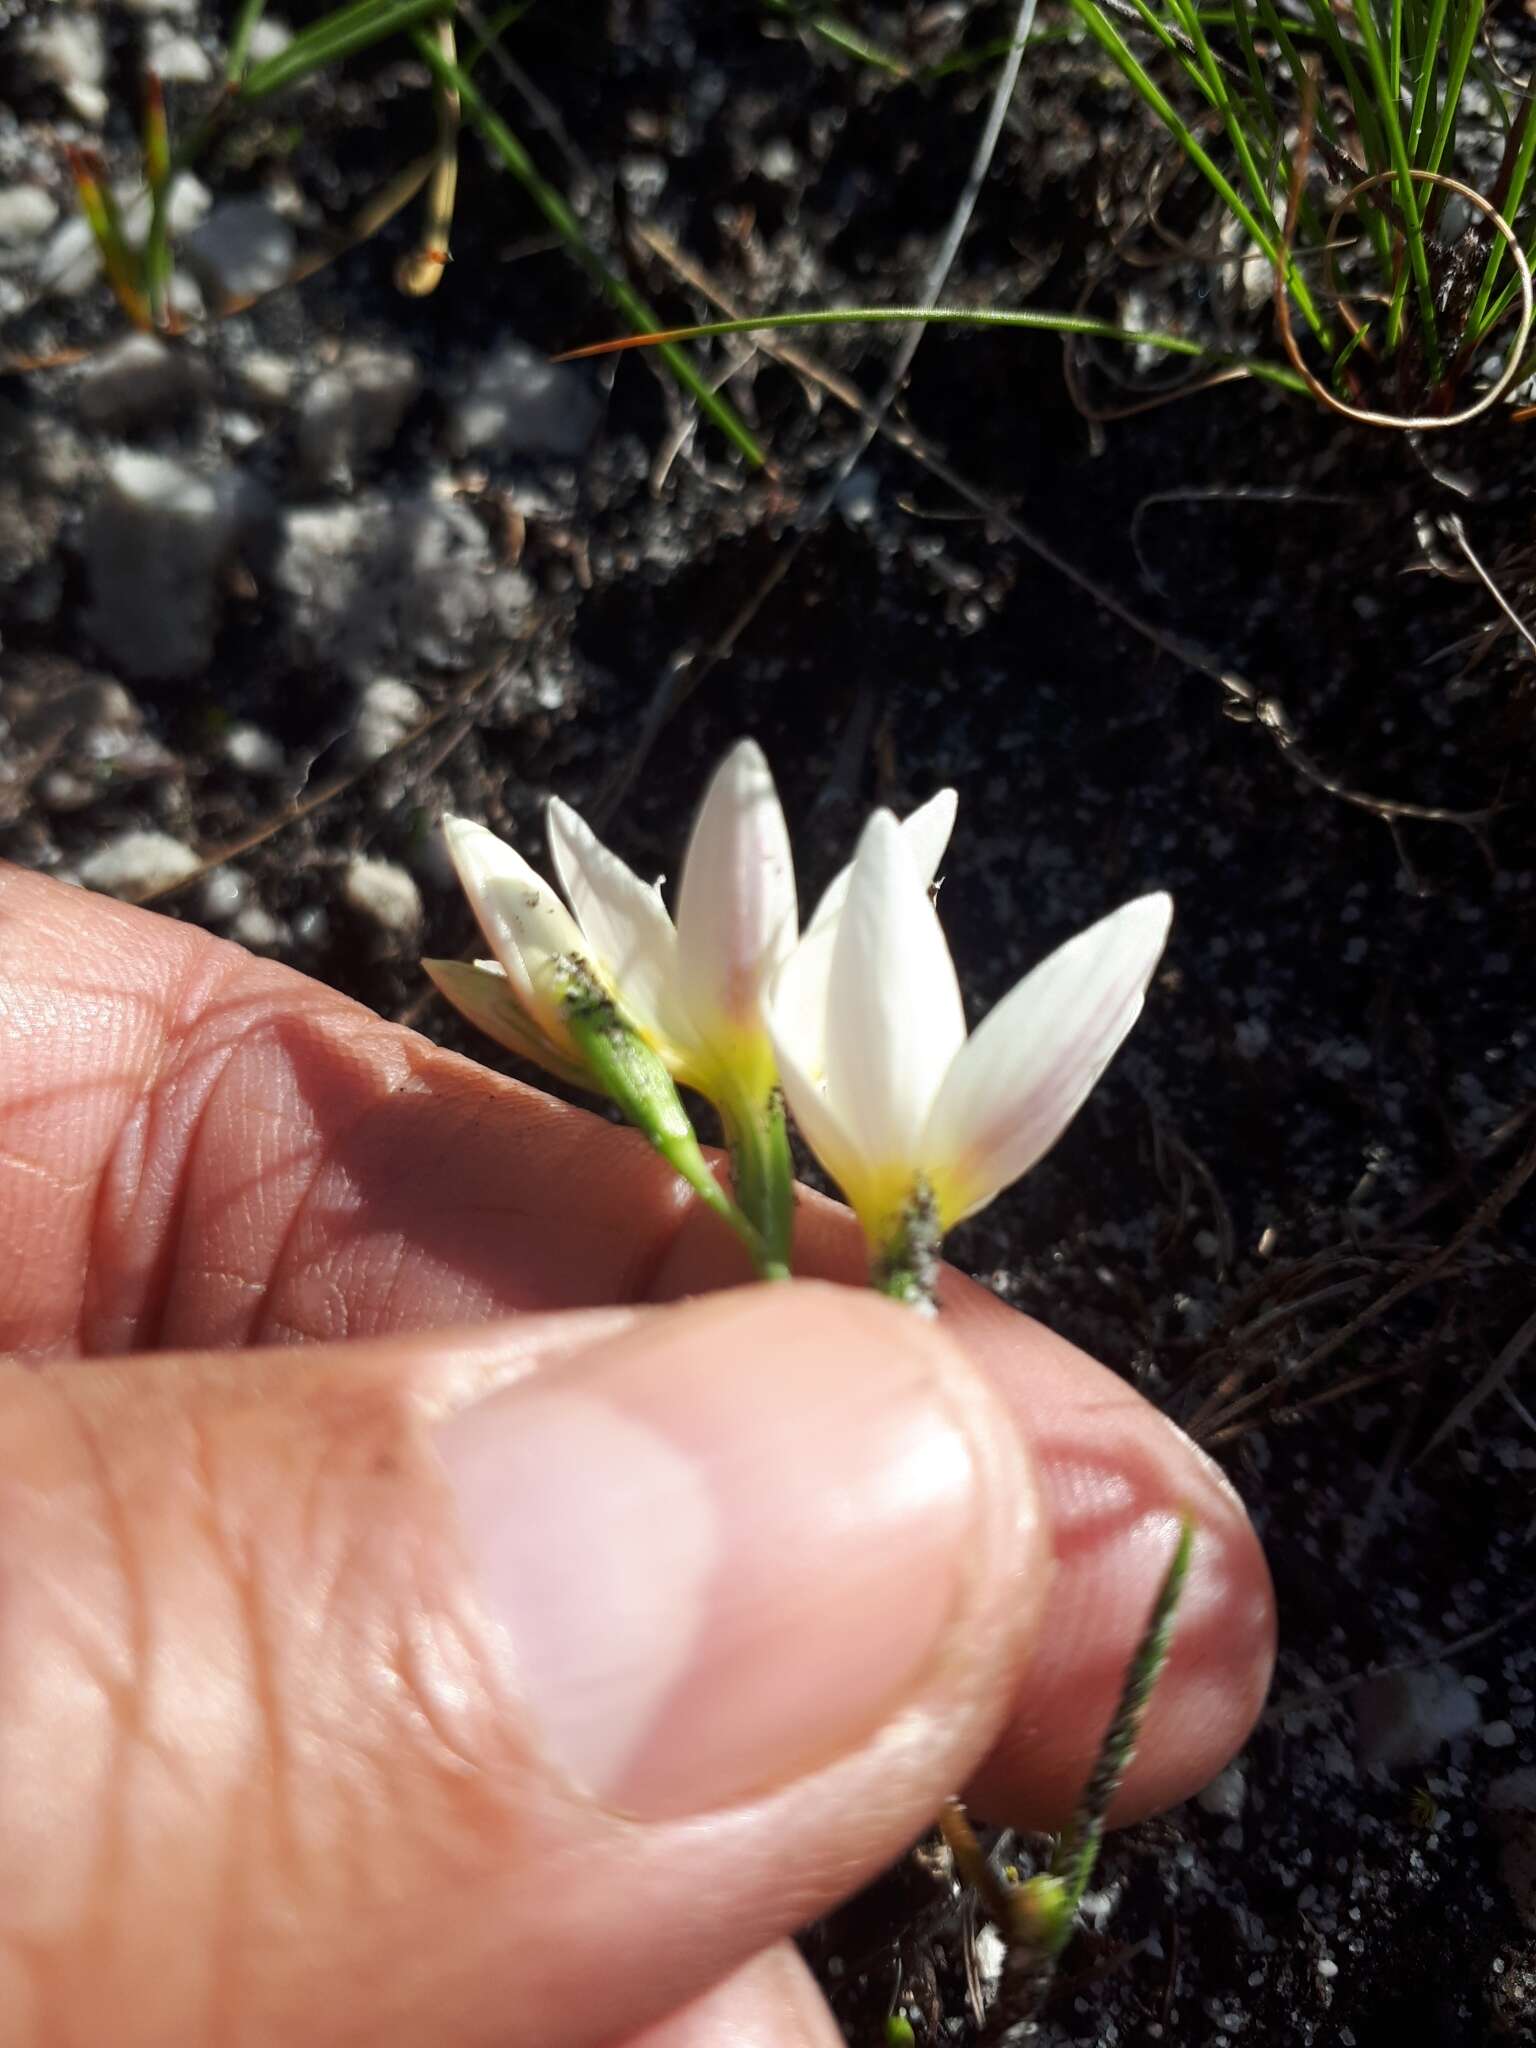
(725, 1546)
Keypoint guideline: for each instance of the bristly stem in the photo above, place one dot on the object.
(1078, 1849)
(763, 1175)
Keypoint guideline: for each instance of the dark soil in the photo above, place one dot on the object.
(1333, 1093)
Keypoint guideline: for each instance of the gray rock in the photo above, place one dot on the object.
(156, 541)
(138, 380)
(135, 863)
(381, 582)
(269, 38)
(257, 929)
(519, 404)
(27, 212)
(387, 712)
(224, 893)
(1225, 1795)
(179, 59)
(1404, 1717)
(384, 894)
(265, 378)
(66, 49)
(353, 410)
(241, 250)
(253, 752)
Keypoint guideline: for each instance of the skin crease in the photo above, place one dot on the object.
(202, 1153)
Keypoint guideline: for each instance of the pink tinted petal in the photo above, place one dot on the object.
(736, 910)
(1028, 1067)
(894, 1017)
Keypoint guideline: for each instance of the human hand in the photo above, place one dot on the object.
(534, 1648)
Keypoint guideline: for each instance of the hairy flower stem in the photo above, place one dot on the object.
(762, 1173)
(1035, 1918)
(629, 1073)
(906, 1263)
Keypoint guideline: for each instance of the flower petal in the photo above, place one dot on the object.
(926, 831)
(736, 911)
(894, 1017)
(624, 920)
(480, 991)
(797, 1023)
(526, 924)
(1030, 1064)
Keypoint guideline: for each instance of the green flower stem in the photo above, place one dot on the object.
(763, 1174)
(1077, 1850)
(905, 1264)
(631, 1075)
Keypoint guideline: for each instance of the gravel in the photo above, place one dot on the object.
(137, 862)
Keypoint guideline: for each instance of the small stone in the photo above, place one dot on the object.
(1404, 1717)
(1499, 1735)
(383, 893)
(519, 404)
(156, 540)
(269, 38)
(223, 893)
(353, 410)
(26, 213)
(242, 249)
(67, 50)
(178, 59)
(1225, 1795)
(388, 711)
(137, 380)
(382, 580)
(137, 863)
(266, 379)
(257, 929)
(251, 751)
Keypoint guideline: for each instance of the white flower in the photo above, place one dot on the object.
(521, 998)
(696, 988)
(894, 1099)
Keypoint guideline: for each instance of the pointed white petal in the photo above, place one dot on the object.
(797, 1023)
(480, 991)
(797, 1003)
(1028, 1067)
(926, 831)
(624, 920)
(527, 925)
(894, 1018)
(736, 910)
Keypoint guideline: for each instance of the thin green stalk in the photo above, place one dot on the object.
(156, 153)
(1077, 1850)
(552, 205)
(250, 13)
(1411, 225)
(1115, 46)
(1231, 115)
(1509, 202)
(1424, 84)
(763, 1175)
(333, 37)
(840, 35)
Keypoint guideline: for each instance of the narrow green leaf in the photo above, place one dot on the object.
(552, 204)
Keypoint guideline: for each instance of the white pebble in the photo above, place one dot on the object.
(135, 863)
(379, 890)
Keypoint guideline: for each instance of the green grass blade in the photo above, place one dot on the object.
(333, 37)
(1483, 315)
(250, 13)
(512, 155)
(1114, 45)
(1411, 225)
(962, 316)
(1463, 43)
(1424, 84)
(840, 35)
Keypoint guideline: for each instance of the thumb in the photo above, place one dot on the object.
(498, 1688)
